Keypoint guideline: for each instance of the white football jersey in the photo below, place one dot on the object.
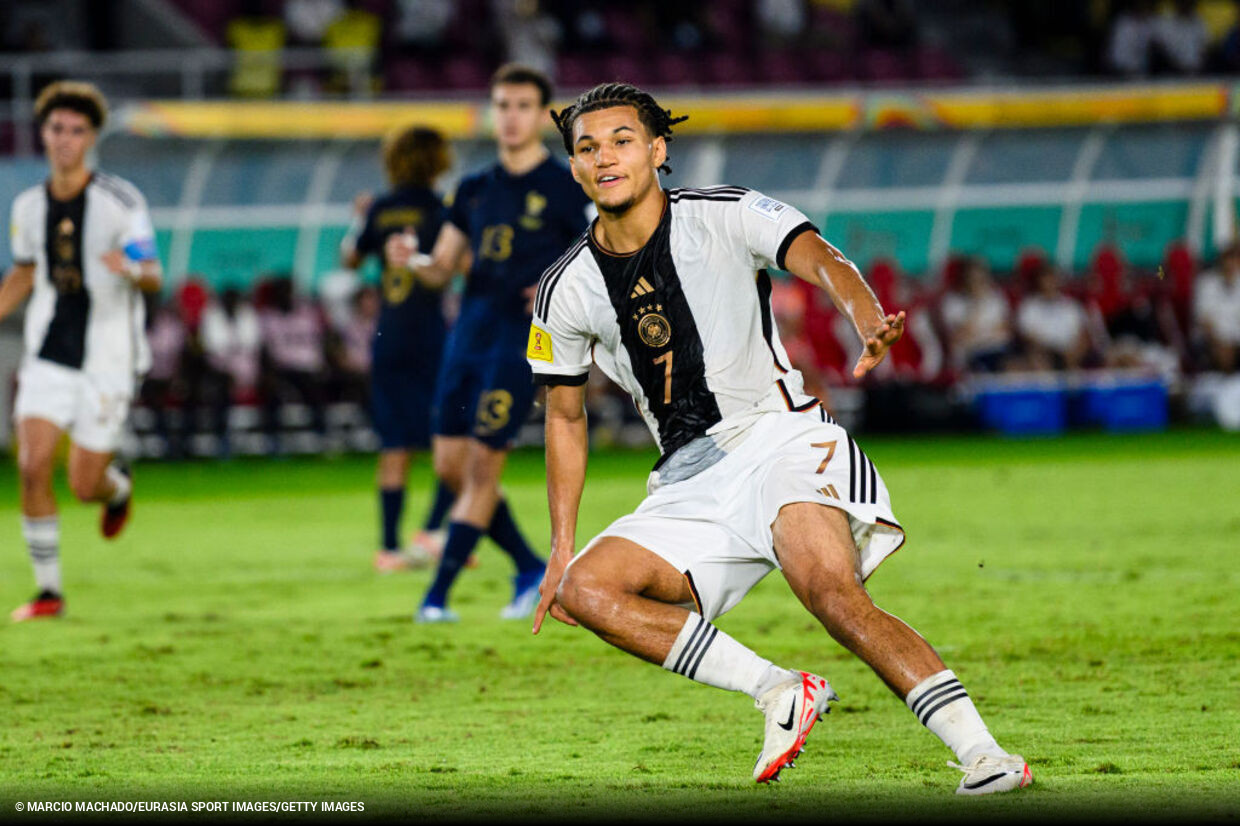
(81, 314)
(684, 324)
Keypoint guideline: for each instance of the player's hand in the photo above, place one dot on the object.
(361, 203)
(556, 566)
(530, 293)
(876, 345)
(122, 265)
(399, 248)
(114, 260)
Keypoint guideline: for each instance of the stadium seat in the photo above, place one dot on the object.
(575, 72)
(827, 66)
(627, 68)
(413, 74)
(465, 72)
(626, 30)
(931, 63)
(729, 69)
(674, 69)
(882, 66)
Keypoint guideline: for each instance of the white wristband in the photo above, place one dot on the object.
(418, 260)
(132, 270)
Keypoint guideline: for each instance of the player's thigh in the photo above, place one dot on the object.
(484, 464)
(614, 564)
(456, 397)
(448, 455)
(818, 557)
(36, 447)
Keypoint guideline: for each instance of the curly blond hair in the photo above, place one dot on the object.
(83, 98)
(415, 156)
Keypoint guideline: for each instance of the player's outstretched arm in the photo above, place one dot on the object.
(18, 283)
(436, 269)
(568, 449)
(813, 259)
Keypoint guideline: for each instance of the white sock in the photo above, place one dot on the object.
(707, 655)
(122, 485)
(943, 706)
(42, 536)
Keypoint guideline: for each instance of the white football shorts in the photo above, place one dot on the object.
(715, 527)
(91, 407)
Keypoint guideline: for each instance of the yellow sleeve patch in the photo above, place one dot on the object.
(539, 346)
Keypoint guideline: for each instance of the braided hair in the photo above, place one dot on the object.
(657, 120)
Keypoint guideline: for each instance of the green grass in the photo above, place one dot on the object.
(234, 644)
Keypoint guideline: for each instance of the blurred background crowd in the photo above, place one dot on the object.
(276, 358)
(1078, 244)
(433, 46)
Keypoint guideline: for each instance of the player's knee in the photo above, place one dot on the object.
(84, 489)
(35, 472)
(583, 595)
(840, 603)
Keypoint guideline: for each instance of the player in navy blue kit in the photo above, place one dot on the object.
(515, 218)
(408, 344)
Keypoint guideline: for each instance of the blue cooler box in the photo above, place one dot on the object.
(1126, 406)
(1024, 411)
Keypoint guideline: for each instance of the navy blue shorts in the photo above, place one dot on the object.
(484, 398)
(400, 408)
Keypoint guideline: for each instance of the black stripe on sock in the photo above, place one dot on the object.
(951, 698)
(933, 694)
(689, 644)
(701, 655)
(873, 484)
(696, 645)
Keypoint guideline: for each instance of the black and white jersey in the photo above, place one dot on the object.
(683, 324)
(82, 315)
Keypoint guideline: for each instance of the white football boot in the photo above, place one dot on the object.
(433, 613)
(988, 774)
(791, 709)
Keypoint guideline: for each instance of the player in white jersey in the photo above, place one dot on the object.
(83, 250)
(668, 293)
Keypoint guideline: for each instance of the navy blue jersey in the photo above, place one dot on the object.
(411, 326)
(518, 225)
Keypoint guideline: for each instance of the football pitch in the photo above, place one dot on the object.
(235, 645)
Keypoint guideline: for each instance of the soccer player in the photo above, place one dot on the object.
(668, 293)
(83, 249)
(408, 343)
(513, 219)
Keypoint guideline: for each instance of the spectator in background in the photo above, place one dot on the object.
(232, 346)
(530, 35)
(1131, 39)
(307, 20)
(1136, 329)
(781, 22)
(159, 392)
(788, 305)
(977, 321)
(918, 355)
(1181, 39)
(422, 25)
(352, 41)
(293, 357)
(349, 351)
(1053, 326)
(256, 38)
(1216, 309)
